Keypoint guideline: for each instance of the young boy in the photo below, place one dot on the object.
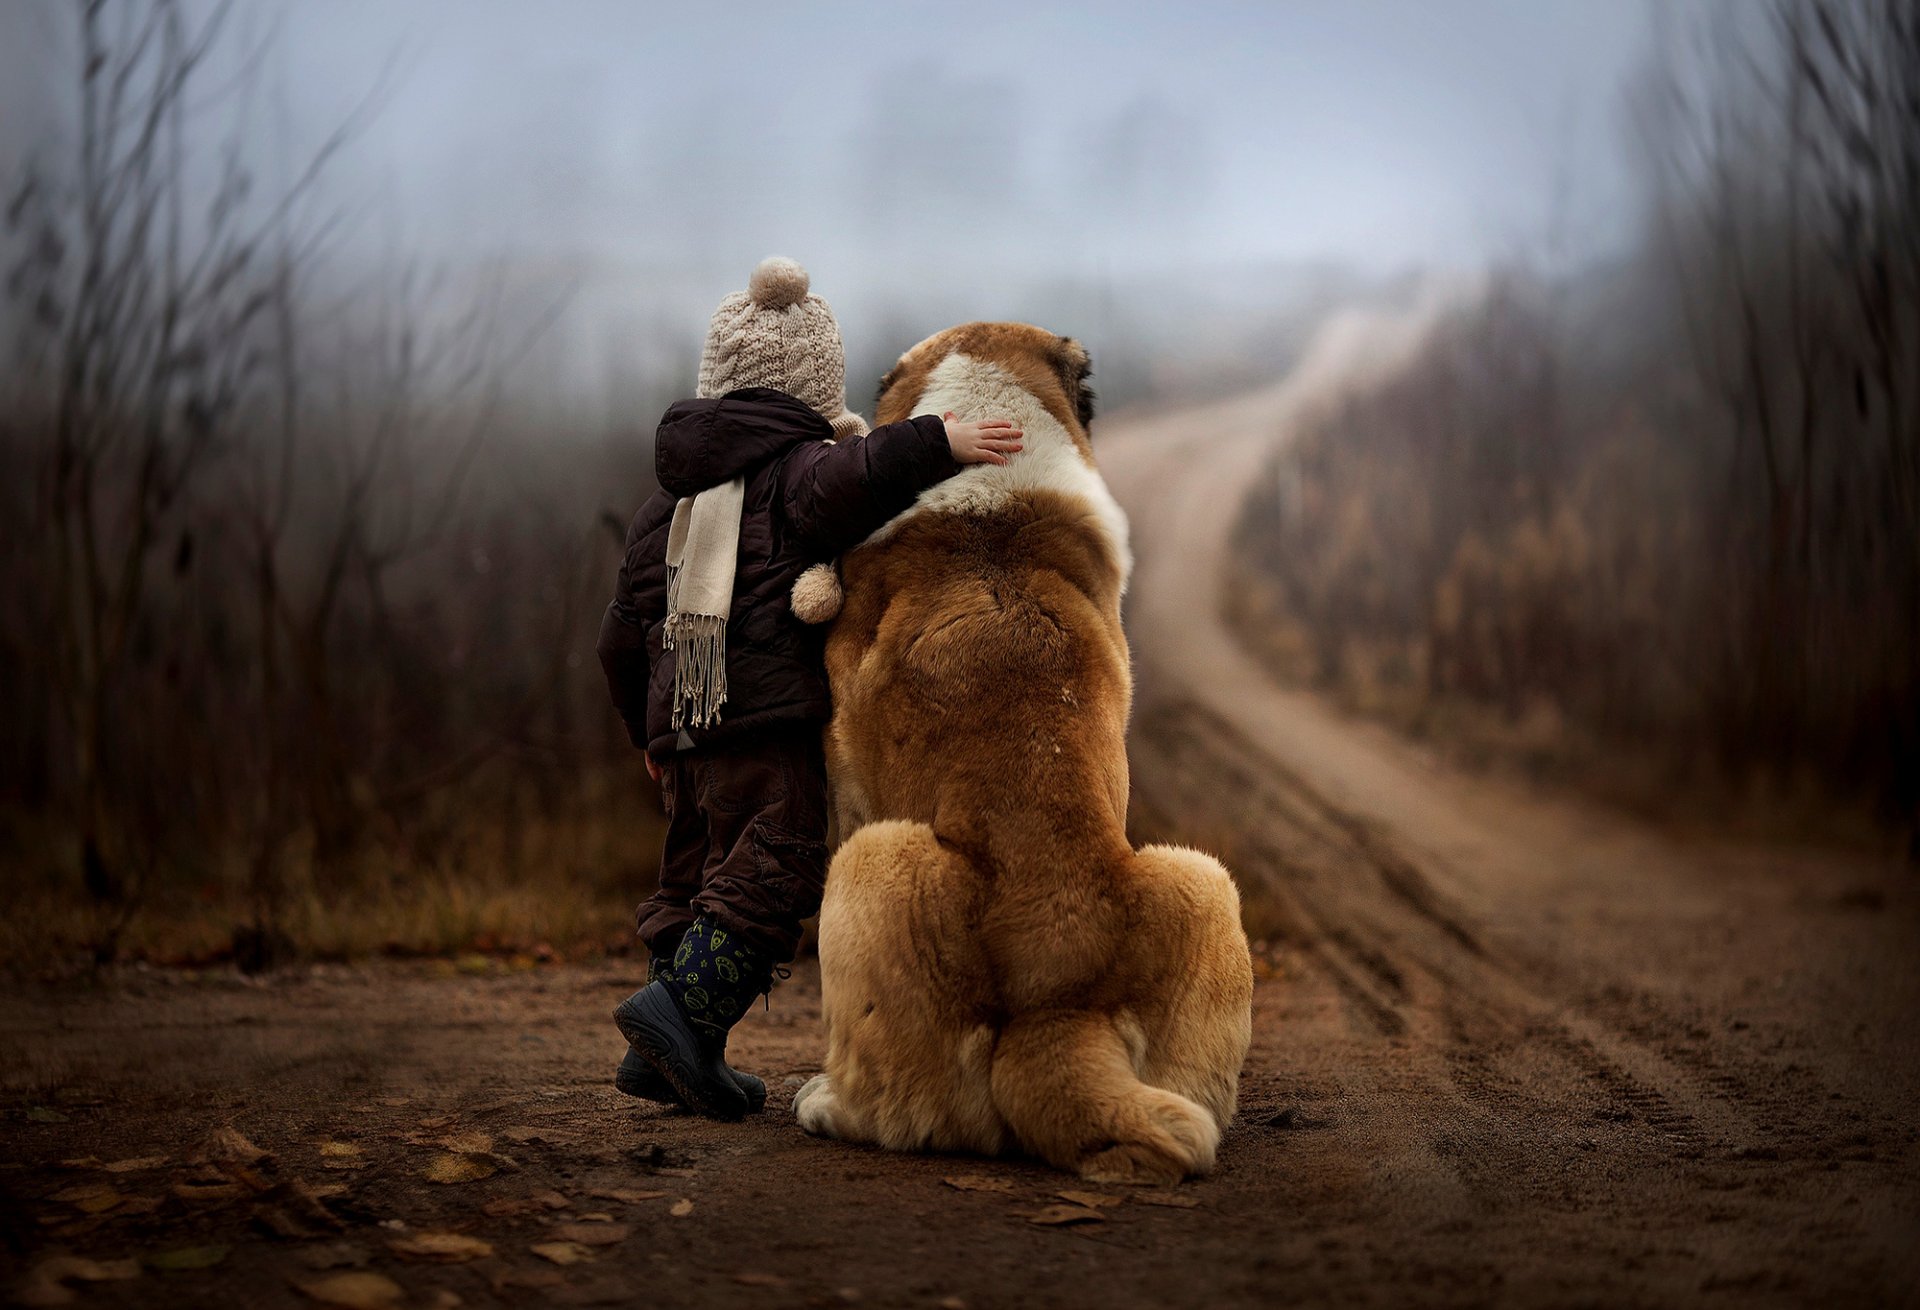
(718, 682)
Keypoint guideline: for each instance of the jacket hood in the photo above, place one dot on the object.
(702, 443)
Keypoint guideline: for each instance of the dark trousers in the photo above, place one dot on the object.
(746, 842)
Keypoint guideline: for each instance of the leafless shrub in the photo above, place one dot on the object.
(297, 608)
(1678, 502)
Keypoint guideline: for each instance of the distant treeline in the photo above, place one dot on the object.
(299, 582)
(296, 614)
(1670, 507)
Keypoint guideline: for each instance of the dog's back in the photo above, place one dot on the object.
(998, 963)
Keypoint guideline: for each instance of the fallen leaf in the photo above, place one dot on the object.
(437, 1122)
(1059, 1216)
(342, 1155)
(356, 1291)
(761, 1280)
(395, 1102)
(278, 1223)
(524, 1133)
(452, 1168)
(447, 1248)
(1174, 1200)
(596, 1218)
(111, 1271)
(323, 1191)
(41, 1114)
(445, 1299)
(469, 1143)
(46, 1284)
(675, 1171)
(506, 1207)
(561, 1253)
(35, 1292)
(334, 1255)
(508, 1279)
(1093, 1200)
(551, 1199)
(681, 1208)
(979, 1183)
(625, 1195)
(246, 1177)
(187, 1257)
(309, 1203)
(138, 1164)
(495, 1107)
(595, 1234)
(90, 1198)
(203, 1192)
(81, 1162)
(226, 1145)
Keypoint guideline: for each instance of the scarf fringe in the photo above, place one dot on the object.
(699, 643)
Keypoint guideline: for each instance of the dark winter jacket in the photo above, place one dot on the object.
(806, 501)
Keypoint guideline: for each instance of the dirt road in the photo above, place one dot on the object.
(1507, 1049)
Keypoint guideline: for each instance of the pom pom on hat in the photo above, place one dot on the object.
(777, 283)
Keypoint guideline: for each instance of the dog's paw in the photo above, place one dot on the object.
(1179, 1142)
(813, 1106)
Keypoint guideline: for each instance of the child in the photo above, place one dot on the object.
(722, 686)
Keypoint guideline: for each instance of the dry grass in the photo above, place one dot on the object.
(497, 882)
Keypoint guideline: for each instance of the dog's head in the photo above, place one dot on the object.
(982, 362)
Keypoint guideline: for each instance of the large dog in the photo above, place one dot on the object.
(1000, 969)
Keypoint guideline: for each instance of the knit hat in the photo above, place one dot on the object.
(777, 334)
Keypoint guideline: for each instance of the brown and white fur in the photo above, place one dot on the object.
(1000, 969)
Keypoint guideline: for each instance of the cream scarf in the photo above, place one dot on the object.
(701, 547)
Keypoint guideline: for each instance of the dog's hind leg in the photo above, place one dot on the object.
(908, 1043)
(1065, 1081)
(1197, 1011)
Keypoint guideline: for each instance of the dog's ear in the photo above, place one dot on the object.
(887, 380)
(1076, 366)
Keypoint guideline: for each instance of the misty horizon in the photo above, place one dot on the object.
(1148, 173)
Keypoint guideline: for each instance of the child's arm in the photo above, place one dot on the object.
(623, 653)
(835, 496)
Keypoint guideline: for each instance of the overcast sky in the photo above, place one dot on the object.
(903, 145)
(1375, 131)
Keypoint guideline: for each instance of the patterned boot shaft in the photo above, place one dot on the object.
(716, 976)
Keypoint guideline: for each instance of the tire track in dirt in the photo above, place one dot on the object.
(1374, 922)
(1517, 978)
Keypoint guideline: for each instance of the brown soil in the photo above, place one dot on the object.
(1507, 1048)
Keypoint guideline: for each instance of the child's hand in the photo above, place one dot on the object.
(982, 443)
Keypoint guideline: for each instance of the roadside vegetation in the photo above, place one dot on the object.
(1655, 527)
(296, 604)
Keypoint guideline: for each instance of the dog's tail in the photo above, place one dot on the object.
(1141, 1093)
(1066, 1085)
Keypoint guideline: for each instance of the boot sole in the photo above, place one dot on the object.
(647, 1085)
(655, 1035)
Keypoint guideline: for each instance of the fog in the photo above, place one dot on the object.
(332, 336)
(1122, 170)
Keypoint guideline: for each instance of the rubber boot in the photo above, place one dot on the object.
(636, 1077)
(678, 1023)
